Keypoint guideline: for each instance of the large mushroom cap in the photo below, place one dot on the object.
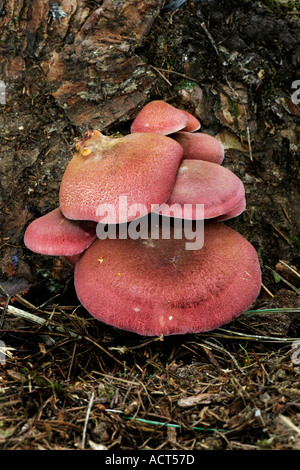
(159, 117)
(139, 167)
(53, 234)
(156, 286)
(200, 146)
(201, 182)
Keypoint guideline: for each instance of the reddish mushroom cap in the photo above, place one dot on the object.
(156, 286)
(53, 234)
(159, 117)
(72, 259)
(201, 182)
(200, 146)
(234, 212)
(193, 124)
(140, 167)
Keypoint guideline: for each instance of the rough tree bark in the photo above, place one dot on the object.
(87, 56)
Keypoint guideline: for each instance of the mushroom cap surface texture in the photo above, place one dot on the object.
(201, 182)
(53, 234)
(156, 286)
(200, 146)
(139, 167)
(159, 117)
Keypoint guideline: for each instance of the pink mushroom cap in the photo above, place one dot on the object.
(200, 146)
(201, 182)
(193, 124)
(157, 287)
(234, 212)
(53, 234)
(139, 167)
(73, 259)
(159, 117)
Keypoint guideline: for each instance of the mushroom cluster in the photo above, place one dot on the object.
(142, 280)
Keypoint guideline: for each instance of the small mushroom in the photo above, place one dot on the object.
(73, 259)
(140, 167)
(234, 212)
(159, 117)
(200, 146)
(193, 124)
(53, 234)
(201, 182)
(157, 287)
